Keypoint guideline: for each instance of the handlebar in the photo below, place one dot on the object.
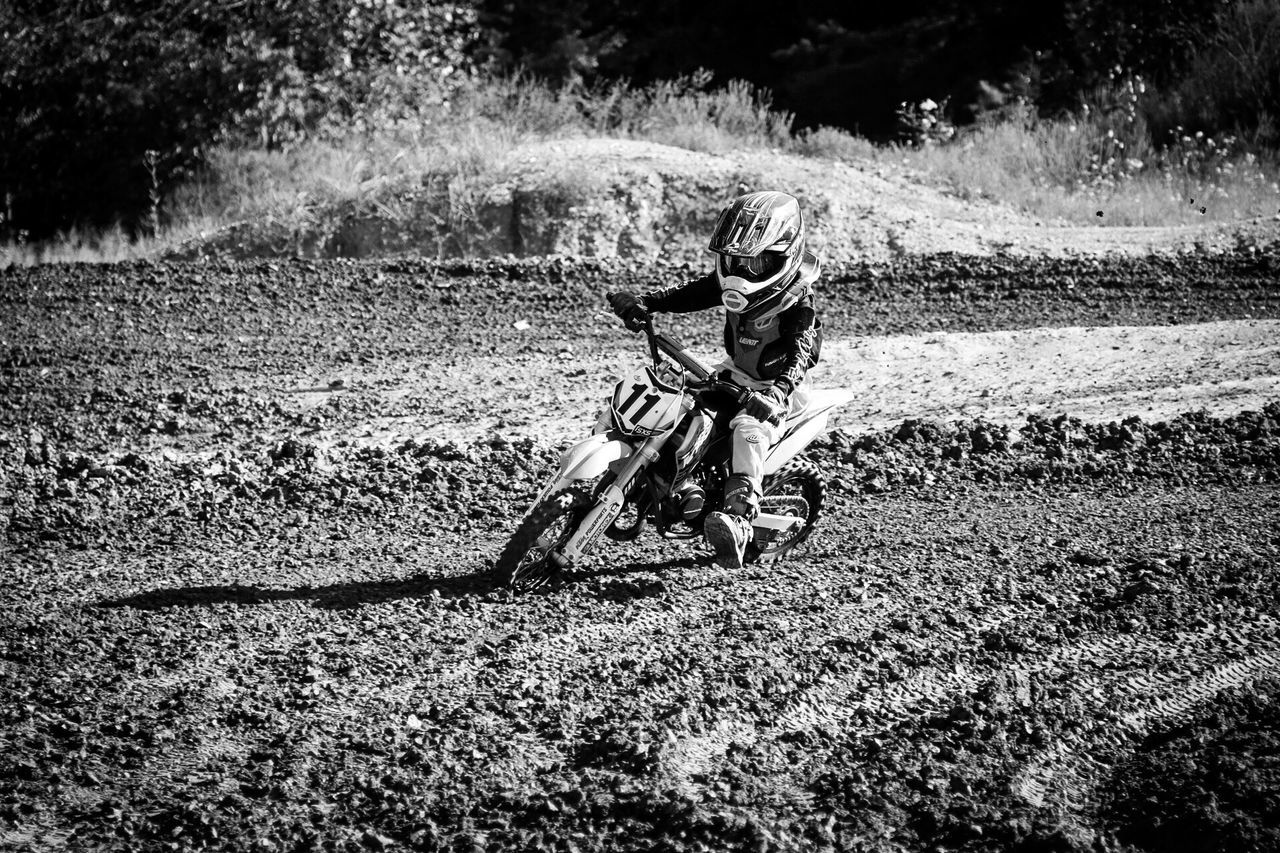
(677, 352)
(702, 376)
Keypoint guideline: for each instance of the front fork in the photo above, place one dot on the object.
(610, 502)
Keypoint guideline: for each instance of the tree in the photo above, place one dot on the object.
(88, 87)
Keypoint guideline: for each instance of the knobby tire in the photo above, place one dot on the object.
(801, 475)
(518, 567)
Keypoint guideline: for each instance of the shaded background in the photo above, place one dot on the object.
(89, 87)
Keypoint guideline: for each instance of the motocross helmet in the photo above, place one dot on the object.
(759, 245)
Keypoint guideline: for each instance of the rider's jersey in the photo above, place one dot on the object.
(765, 343)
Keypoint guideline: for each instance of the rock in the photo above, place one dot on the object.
(1089, 558)
(375, 841)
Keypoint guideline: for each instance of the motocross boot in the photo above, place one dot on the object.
(688, 499)
(729, 532)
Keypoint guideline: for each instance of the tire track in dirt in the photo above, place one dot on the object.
(684, 756)
(1064, 775)
(828, 704)
(833, 704)
(643, 637)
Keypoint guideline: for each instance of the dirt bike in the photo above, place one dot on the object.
(664, 460)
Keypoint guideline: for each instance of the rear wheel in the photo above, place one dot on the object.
(796, 489)
(528, 560)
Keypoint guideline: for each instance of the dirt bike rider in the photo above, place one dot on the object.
(764, 279)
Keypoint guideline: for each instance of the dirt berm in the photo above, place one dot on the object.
(607, 198)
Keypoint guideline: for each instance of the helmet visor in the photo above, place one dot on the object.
(761, 267)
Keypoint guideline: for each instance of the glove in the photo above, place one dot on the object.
(632, 311)
(768, 405)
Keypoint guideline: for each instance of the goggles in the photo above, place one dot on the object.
(758, 268)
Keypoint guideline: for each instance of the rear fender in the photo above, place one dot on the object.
(812, 422)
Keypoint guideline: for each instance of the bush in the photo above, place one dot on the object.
(1233, 82)
(833, 144)
(87, 87)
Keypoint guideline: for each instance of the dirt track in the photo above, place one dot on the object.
(238, 613)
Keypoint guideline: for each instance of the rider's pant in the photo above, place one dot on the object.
(752, 439)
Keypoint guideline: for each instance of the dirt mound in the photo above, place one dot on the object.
(641, 200)
(80, 499)
(1060, 450)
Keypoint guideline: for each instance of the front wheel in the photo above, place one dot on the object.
(528, 560)
(796, 489)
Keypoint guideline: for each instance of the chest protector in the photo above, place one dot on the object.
(759, 339)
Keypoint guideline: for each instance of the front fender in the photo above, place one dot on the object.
(587, 460)
(590, 457)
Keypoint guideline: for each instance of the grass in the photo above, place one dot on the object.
(108, 245)
(451, 154)
(469, 142)
(1066, 170)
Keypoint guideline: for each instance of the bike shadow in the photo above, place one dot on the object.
(340, 596)
(607, 583)
(615, 583)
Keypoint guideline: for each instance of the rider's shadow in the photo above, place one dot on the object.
(342, 596)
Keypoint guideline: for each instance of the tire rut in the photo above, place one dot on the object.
(1063, 776)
